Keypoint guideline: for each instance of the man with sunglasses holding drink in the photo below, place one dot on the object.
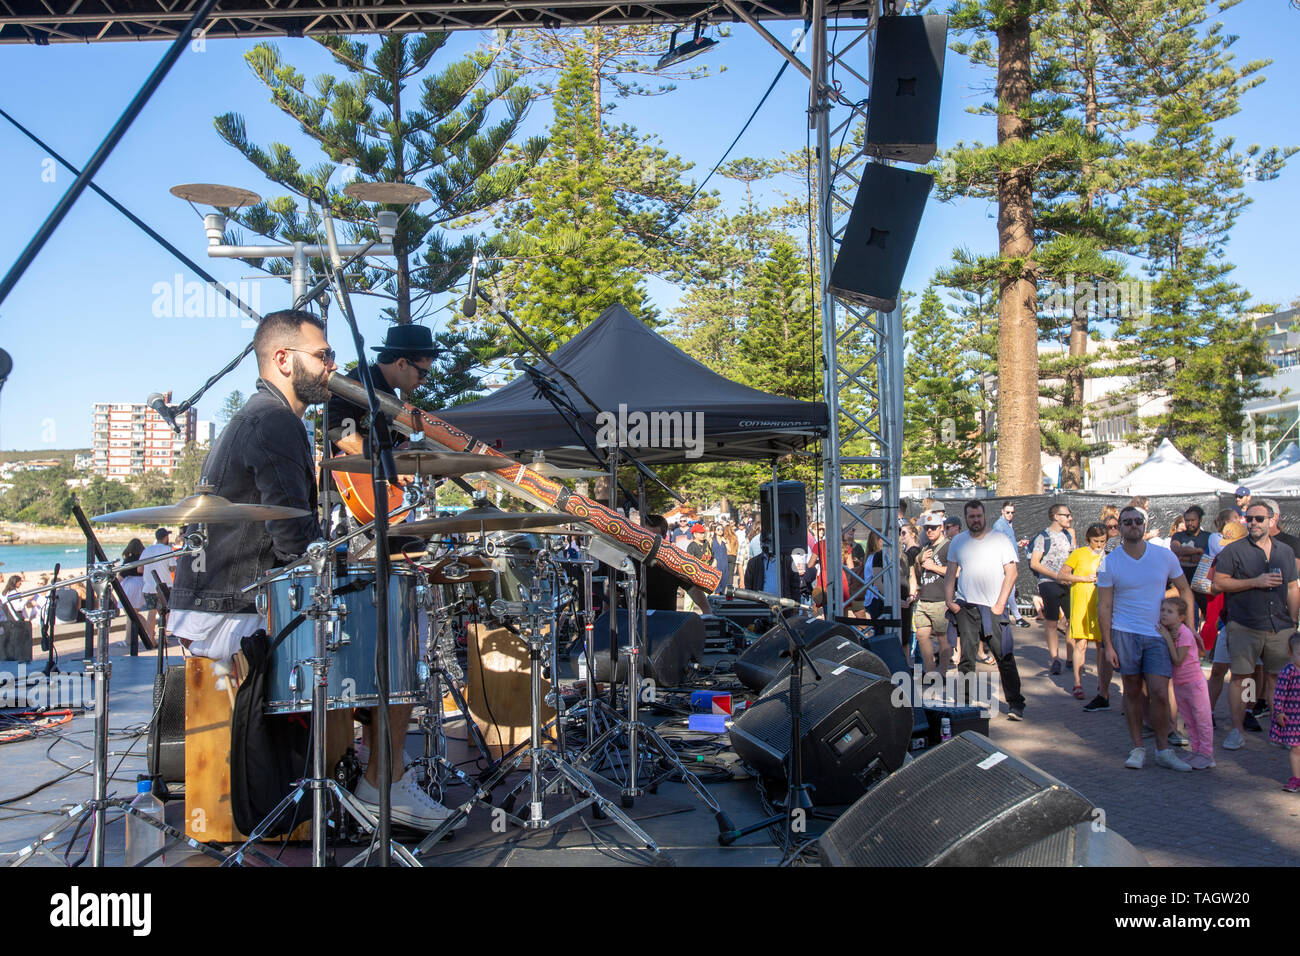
(1131, 583)
(1257, 576)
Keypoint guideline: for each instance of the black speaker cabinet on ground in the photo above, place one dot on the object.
(906, 79)
(837, 652)
(850, 730)
(1084, 844)
(964, 803)
(761, 664)
(878, 239)
(15, 641)
(673, 640)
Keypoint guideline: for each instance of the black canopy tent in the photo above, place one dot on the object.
(636, 375)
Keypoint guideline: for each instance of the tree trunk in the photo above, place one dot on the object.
(1019, 439)
(1072, 458)
(399, 170)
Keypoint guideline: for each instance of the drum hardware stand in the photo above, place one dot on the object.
(325, 611)
(101, 577)
(530, 613)
(639, 734)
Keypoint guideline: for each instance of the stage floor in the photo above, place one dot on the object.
(1233, 815)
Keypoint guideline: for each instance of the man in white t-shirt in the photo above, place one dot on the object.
(161, 545)
(979, 578)
(1131, 583)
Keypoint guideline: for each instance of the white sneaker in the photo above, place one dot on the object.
(1136, 758)
(1234, 740)
(411, 806)
(1171, 761)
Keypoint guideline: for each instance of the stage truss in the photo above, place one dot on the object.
(862, 351)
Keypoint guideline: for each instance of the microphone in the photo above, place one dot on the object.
(470, 308)
(538, 376)
(762, 597)
(158, 402)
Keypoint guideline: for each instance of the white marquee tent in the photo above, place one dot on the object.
(1168, 472)
(1281, 477)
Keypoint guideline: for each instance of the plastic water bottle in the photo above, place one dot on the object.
(945, 729)
(141, 838)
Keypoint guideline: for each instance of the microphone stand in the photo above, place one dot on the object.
(383, 470)
(798, 795)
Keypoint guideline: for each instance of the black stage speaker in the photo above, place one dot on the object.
(837, 652)
(889, 649)
(850, 731)
(906, 78)
(790, 516)
(1084, 844)
(762, 662)
(15, 640)
(878, 239)
(166, 748)
(963, 803)
(673, 641)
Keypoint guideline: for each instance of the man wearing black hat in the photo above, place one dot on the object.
(404, 361)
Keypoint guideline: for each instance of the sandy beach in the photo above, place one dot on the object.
(14, 532)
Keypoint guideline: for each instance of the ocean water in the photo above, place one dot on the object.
(21, 558)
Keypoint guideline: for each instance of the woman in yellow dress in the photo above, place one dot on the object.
(1080, 573)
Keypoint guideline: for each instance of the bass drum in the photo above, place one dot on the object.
(352, 666)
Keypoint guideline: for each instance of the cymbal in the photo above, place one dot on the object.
(394, 194)
(555, 471)
(202, 509)
(485, 519)
(427, 464)
(215, 194)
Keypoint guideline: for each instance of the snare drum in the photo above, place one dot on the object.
(352, 667)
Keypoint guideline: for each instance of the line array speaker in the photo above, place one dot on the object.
(906, 80)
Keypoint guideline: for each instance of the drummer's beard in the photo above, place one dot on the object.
(309, 389)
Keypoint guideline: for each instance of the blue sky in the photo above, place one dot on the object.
(80, 325)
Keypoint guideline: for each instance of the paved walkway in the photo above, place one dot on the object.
(1233, 815)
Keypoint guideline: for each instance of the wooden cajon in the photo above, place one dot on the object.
(498, 694)
(209, 703)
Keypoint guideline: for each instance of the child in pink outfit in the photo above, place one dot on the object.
(1190, 689)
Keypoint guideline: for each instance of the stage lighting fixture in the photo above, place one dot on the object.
(680, 54)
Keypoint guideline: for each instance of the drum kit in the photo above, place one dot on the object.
(527, 572)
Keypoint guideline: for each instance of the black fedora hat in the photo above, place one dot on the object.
(408, 340)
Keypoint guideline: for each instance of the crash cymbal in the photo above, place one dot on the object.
(484, 519)
(426, 464)
(394, 194)
(215, 194)
(202, 508)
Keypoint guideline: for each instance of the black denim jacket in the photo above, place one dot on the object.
(262, 456)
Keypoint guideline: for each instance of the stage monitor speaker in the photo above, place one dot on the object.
(888, 647)
(1084, 844)
(166, 747)
(879, 236)
(16, 641)
(850, 732)
(906, 80)
(673, 640)
(966, 802)
(789, 515)
(838, 652)
(762, 661)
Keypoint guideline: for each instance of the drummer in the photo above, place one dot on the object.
(263, 456)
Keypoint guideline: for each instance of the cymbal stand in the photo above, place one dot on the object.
(100, 577)
(326, 611)
(639, 735)
(437, 769)
(530, 613)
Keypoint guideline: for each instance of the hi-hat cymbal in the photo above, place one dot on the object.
(202, 509)
(427, 464)
(215, 194)
(394, 194)
(485, 519)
